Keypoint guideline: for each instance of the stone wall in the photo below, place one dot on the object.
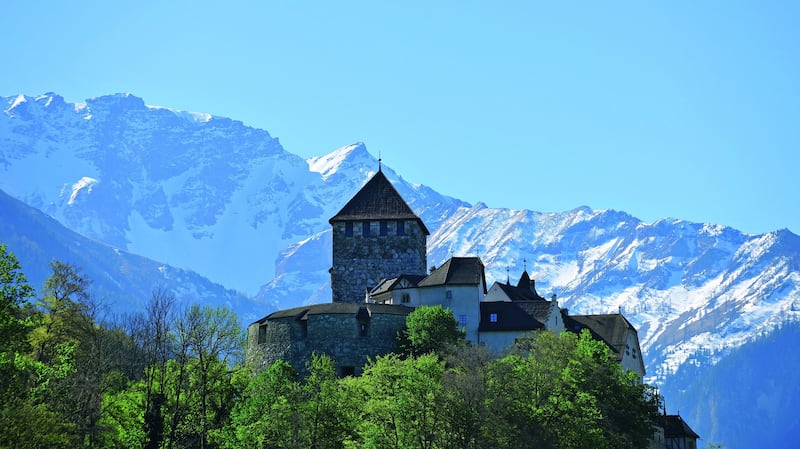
(338, 335)
(360, 262)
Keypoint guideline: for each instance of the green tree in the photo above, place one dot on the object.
(196, 383)
(14, 295)
(153, 332)
(27, 418)
(567, 391)
(215, 339)
(268, 416)
(124, 416)
(430, 329)
(401, 402)
(328, 415)
(464, 384)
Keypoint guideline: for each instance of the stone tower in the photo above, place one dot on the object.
(375, 236)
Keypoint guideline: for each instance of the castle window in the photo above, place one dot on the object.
(384, 230)
(365, 228)
(362, 329)
(262, 333)
(462, 321)
(492, 317)
(348, 228)
(405, 298)
(448, 294)
(401, 227)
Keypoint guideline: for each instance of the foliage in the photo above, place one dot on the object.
(568, 392)
(14, 294)
(430, 329)
(30, 390)
(267, 416)
(173, 379)
(400, 402)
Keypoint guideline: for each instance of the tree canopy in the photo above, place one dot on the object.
(430, 329)
(174, 378)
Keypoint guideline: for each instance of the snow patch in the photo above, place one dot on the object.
(86, 183)
(329, 164)
(17, 101)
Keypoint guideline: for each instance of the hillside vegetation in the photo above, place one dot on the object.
(169, 378)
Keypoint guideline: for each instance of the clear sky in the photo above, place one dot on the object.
(687, 109)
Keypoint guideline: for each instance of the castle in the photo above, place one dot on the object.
(380, 274)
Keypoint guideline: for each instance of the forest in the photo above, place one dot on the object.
(72, 375)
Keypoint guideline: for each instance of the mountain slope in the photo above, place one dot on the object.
(748, 399)
(121, 281)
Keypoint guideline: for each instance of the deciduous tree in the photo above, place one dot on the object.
(430, 329)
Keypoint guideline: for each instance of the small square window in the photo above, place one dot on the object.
(401, 227)
(348, 229)
(462, 320)
(405, 298)
(449, 294)
(493, 317)
(365, 228)
(384, 229)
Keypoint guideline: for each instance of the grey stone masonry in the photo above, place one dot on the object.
(366, 251)
(348, 333)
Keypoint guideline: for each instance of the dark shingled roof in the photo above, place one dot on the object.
(675, 427)
(338, 308)
(524, 280)
(457, 271)
(377, 200)
(514, 316)
(611, 329)
(520, 293)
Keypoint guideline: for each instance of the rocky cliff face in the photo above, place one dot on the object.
(193, 190)
(225, 200)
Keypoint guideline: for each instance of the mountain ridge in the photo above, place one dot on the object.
(227, 200)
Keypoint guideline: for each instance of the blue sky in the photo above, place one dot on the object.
(685, 109)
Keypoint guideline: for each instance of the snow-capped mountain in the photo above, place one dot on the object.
(210, 194)
(193, 190)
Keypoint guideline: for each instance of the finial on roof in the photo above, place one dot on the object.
(508, 279)
(379, 160)
(524, 264)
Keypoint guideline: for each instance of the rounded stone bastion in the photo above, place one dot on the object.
(350, 333)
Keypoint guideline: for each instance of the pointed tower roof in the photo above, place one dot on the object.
(524, 280)
(377, 200)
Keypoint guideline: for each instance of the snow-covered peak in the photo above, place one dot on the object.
(350, 156)
(17, 101)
